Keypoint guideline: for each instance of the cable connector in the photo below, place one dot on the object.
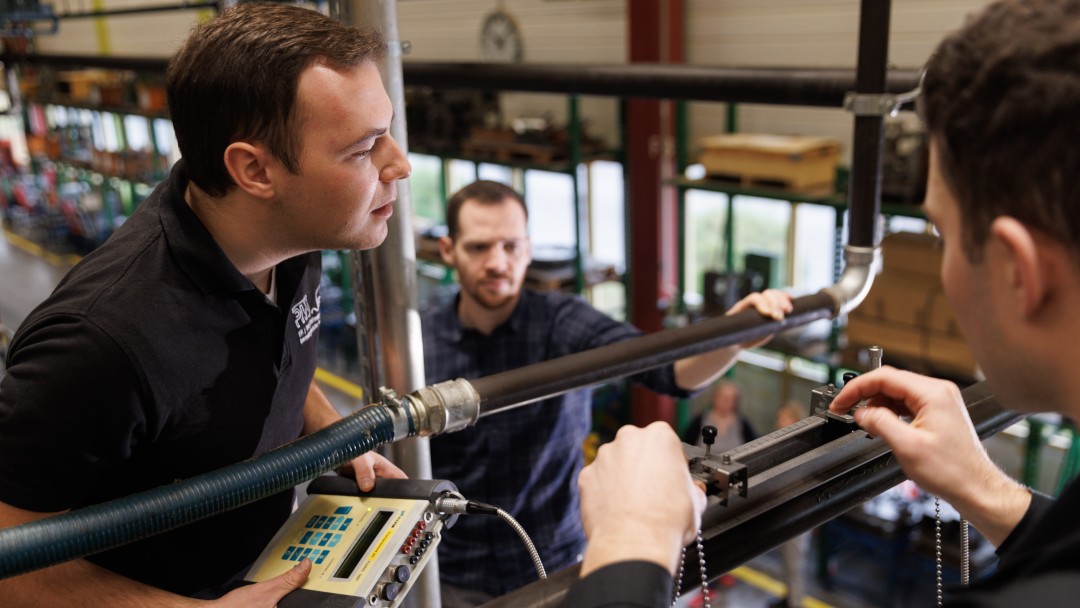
(457, 505)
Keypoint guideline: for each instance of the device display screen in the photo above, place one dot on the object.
(363, 542)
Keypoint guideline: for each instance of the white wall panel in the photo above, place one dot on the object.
(137, 35)
(752, 33)
(801, 33)
(76, 37)
(153, 35)
(583, 31)
(566, 31)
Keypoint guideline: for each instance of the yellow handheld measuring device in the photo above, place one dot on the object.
(365, 548)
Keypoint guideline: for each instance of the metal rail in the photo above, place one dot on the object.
(775, 86)
(140, 10)
(820, 87)
(786, 500)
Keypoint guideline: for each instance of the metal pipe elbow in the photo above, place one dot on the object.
(861, 265)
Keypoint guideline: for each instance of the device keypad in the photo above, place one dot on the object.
(309, 544)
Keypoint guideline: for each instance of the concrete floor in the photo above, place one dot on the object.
(28, 274)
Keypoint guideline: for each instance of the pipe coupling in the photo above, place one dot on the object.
(861, 265)
(445, 407)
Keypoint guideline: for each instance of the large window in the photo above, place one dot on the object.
(496, 173)
(425, 189)
(165, 138)
(607, 209)
(550, 197)
(815, 243)
(705, 222)
(459, 173)
(761, 227)
(781, 234)
(137, 131)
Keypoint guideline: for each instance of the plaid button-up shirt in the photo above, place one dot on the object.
(525, 460)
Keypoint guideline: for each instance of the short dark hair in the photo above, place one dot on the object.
(236, 76)
(1000, 101)
(482, 191)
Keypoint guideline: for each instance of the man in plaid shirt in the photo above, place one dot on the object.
(525, 461)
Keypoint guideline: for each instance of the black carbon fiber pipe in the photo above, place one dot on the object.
(776, 86)
(140, 10)
(868, 141)
(109, 62)
(517, 387)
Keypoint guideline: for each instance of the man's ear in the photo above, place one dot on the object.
(1025, 266)
(446, 250)
(248, 166)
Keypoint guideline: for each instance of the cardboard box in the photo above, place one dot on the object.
(912, 252)
(907, 313)
(81, 86)
(909, 300)
(918, 349)
(150, 97)
(790, 161)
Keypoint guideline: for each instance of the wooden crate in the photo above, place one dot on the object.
(510, 151)
(504, 146)
(786, 161)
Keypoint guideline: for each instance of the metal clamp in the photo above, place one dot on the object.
(881, 104)
(403, 418)
(398, 48)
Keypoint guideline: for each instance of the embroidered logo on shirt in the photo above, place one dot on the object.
(307, 317)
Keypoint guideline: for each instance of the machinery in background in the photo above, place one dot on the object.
(904, 161)
(471, 124)
(18, 19)
(442, 119)
(721, 290)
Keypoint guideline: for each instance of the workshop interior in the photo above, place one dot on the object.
(744, 145)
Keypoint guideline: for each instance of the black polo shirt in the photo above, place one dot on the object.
(156, 360)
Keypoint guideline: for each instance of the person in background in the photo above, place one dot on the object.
(187, 341)
(732, 428)
(526, 460)
(999, 101)
(793, 552)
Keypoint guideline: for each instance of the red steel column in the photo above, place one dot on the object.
(655, 35)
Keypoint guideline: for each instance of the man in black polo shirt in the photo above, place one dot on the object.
(187, 342)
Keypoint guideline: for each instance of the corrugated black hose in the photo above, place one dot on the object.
(117, 522)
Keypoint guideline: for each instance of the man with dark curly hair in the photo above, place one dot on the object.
(1000, 101)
